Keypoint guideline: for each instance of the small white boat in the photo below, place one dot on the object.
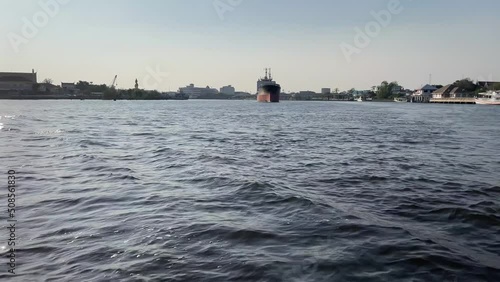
(400, 100)
(488, 98)
(360, 99)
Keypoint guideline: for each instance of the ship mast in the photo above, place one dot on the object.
(266, 75)
(270, 75)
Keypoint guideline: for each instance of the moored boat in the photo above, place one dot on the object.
(488, 98)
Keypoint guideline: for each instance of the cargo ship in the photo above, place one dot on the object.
(268, 91)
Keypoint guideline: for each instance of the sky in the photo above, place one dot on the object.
(167, 44)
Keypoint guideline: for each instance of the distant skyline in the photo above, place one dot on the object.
(222, 42)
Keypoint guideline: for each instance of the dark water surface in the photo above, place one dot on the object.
(241, 191)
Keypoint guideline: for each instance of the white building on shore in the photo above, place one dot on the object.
(230, 90)
(196, 92)
(17, 81)
(426, 90)
(69, 88)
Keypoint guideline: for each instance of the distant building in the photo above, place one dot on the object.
(228, 90)
(197, 92)
(304, 95)
(49, 88)
(400, 91)
(326, 90)
(69, 88)
(243, 95)
(169, 94)
(17, 81)
(360, 93)
(450, 91)
(397, 89)
(427, 90)
(285, 96)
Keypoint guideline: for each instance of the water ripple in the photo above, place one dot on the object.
(237, 191)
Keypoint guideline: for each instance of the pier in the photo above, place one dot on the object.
(420, 99)
(453, 101)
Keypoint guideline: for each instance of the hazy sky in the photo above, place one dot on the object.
(95, 40)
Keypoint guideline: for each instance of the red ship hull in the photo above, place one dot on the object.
(269, 94)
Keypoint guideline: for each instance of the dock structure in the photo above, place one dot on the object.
(420, 99)
(453, 101)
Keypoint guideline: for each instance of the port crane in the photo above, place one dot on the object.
(113, 84)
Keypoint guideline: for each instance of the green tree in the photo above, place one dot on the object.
(110, 94)
(89, 87)
(336, 94)
(48, 81)
(386, 89)
(466, 84)
(138, 94)
(495, 86)
(152, 95)
(82, 85)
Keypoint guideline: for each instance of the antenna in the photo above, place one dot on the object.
(270, 76)
(266, 73)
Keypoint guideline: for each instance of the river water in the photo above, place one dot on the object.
(242, 191)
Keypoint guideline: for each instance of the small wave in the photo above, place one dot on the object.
(162, 150)
(61, 232)
(61, 203)
(493, 190)
(487, 207)
(124, 177)
(254, 188)
(247, 235)
(466, 215)
(87, 143)
(50, 132)
(353, 180)
(294, 201)
(215, 181)
(106, 200)
(37, 250)
(144, 134)
(39, 138)
(11, 129)
(218, 159)
(225, 233)
(108, 169)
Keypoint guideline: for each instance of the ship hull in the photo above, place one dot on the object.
(487, 102)
(269, 94)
